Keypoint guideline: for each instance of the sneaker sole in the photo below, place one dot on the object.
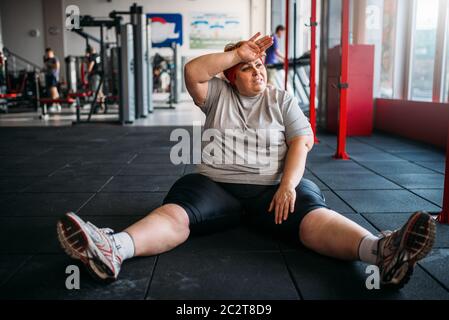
(75, 242)
(423, 224)
(416, 243)
(71, 237)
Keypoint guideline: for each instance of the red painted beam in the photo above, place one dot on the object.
(341, 143)
(313, 25)
(287, 14)
(444, 215)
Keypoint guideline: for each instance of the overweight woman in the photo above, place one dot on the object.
(270, 194)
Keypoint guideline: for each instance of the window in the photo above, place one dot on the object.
(446, 76)
(446, 81)
(373, 35)
(388, 45)
(423, 52)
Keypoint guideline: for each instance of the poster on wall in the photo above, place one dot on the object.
(214, 30)
(166, 28)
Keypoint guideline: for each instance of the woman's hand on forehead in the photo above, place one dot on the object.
(253, 49)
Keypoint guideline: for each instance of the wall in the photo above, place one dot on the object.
(54, 31)
(422, 121)
(18, 18)
(1, 39)
(252, 13)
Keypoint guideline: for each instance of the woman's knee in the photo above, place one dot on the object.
(177, 215)
(309, 228)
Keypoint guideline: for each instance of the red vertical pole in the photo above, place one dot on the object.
(313, 25)
(444, 215)
(341, 143)
(287, 13)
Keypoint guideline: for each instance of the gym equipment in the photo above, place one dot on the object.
(170, 66)
(149, 67)
(176, 75)
(76, 80)
(343, 84)
(141, 49)
(360, 106)
(299, 66)
(88, 21)
(22, 83)
(141, 83)
(48, 101)
(126, 67)
(127, 97)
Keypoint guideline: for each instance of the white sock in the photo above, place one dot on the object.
(368, 249)
(124, 244)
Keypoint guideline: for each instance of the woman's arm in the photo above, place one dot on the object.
(200, 70)
(295, 163)
(284, 200)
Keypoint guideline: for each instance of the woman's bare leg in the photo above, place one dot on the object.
(331, 234)
(54, 93)
(162, 230)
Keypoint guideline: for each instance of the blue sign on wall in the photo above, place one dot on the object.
(166, 28)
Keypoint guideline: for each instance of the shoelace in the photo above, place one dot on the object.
(106, 231)
(109, 232)
(385, 234)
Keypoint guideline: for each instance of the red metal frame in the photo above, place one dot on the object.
(341, 143)
(312, 111)
(444, 215)
(287, 14)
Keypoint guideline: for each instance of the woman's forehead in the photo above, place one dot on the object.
(248, 64)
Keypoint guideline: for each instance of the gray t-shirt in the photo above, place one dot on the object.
(245, 138)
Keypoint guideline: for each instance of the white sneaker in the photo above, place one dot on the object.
(52, 109)
(399, 251)
(95, 247)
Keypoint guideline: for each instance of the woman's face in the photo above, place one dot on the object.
(251, 78)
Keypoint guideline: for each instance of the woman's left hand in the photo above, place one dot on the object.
(283, 202)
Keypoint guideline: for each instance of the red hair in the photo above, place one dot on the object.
(231, 73)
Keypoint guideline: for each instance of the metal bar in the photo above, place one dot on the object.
(38, 93)
(312, 110)
(9, 53)
(287, 13)
(102, 62)
(444, 215)
(294, 45)
(94, 102)
(342, 129)
(299, 62)
(85, 35)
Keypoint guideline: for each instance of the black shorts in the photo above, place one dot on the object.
(214, 205)
(51, 81)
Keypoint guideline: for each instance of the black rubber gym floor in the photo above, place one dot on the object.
(112, 176)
